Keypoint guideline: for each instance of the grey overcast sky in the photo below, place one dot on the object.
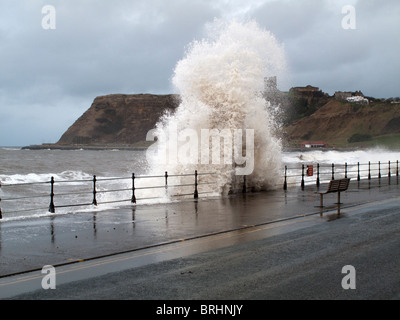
(49, 77)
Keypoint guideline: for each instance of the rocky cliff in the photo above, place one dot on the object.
(340, 123)
(306, 113)
(118, 119)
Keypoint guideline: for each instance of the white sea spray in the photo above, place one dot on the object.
(220, 81)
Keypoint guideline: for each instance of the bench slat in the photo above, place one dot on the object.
(337, 186)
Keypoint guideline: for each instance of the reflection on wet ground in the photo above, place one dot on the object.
(32, 243)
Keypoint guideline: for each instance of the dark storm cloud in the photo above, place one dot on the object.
(118, 45)
(48, 78)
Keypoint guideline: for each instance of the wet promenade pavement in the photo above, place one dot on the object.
(66, 239)
(56, 240)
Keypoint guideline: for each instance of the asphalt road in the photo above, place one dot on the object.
(302, 262)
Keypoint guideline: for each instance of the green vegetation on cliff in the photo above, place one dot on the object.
(305, 114)
(344, 124)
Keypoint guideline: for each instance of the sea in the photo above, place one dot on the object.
(218, 80)
(25, 177)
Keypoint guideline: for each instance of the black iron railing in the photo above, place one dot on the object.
(94, 187)
(326, 172)
(128, 192)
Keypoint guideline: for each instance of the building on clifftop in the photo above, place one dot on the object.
(350, 96)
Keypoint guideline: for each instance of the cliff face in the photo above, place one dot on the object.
(118, 119)
(336, 122)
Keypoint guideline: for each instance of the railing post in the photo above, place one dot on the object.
(196, 192)
(1, 214)
(94, 191)
(397, 168)
(345, 170)
(317, 175)
(369, 170)
(51, 206)
(285, 181)
(333, 171)
(302, 176)
(166, 180)
(389, 170)
(379, 167)
(133, 200)
(358, 171)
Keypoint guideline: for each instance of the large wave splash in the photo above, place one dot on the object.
(220, 81)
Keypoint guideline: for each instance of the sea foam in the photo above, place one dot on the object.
(220, 81)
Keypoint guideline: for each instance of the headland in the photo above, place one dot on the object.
(345, 120)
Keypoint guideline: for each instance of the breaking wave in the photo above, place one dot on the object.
(44, 177)
(220, 81)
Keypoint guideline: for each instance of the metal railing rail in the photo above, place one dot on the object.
(94, 190)
(327, 172)
(291, 176)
